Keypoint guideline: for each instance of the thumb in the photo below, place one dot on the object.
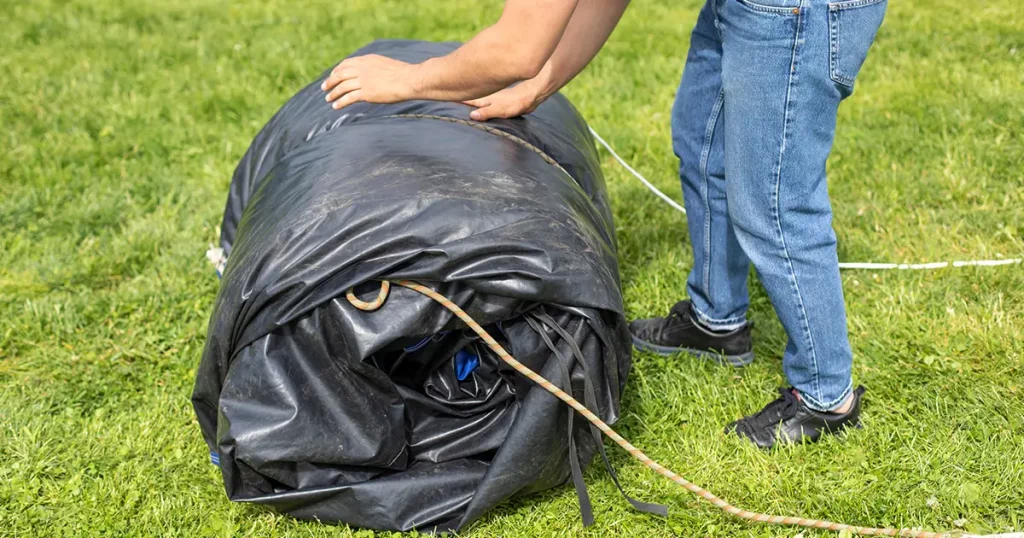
(484, 113)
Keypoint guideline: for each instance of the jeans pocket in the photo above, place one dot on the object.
(852, 26)
(772, 6)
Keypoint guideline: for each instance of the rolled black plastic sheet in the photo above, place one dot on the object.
(401, 418)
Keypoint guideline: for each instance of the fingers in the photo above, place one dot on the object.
(480, 114)
(478, 103)
(488, 112)
(351, 97)
(340, 74)
(508, 108)
(343, 85)
(343, 88)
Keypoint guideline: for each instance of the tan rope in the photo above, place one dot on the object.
(385, 288)
(619, 440)
(487, 128)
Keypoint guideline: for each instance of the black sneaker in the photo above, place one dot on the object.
(788, 420)
(679, 332)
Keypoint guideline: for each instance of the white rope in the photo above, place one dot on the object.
(637, 175)
(842, 265)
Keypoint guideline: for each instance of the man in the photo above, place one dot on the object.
(752, 125)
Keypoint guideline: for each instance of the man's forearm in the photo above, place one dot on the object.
(516, 48)
(587, 31)
(589, 27)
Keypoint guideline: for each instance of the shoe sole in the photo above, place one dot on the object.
(737, 361)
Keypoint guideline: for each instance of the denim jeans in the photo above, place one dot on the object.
(753, 123)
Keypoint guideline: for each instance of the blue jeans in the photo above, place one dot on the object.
(752, 125)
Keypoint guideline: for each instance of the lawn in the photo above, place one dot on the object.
(121, 125)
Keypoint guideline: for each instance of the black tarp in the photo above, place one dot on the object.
(324, 411)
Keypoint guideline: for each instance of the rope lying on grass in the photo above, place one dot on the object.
(382, 296)
(217, 257)
(842, 265)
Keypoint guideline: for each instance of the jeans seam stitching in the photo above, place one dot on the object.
(852, 4)
(815, 404)
(833, 58)
(705, 152)
(712, 321)
(778, 219)
(782, 10)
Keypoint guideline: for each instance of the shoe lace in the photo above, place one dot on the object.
(779, 410)
(680, 313)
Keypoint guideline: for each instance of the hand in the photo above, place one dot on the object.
(513, 101)
(371, 78)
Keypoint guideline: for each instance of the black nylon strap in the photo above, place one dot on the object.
(590, 400)
(586, 508)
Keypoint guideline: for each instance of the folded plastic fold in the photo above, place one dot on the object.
(401, 418)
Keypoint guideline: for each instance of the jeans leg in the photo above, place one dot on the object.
(780, 113)
(717, 284)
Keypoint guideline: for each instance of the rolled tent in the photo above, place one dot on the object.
(401, 418)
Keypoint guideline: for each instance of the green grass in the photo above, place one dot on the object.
(121, 125)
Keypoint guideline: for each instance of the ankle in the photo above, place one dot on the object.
(844, 407)
(717, 328)
(841, 409)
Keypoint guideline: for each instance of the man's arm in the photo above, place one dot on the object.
(513, 49)
(589, 28)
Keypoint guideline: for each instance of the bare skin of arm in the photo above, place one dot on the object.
(589, 28)
(515, 48)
